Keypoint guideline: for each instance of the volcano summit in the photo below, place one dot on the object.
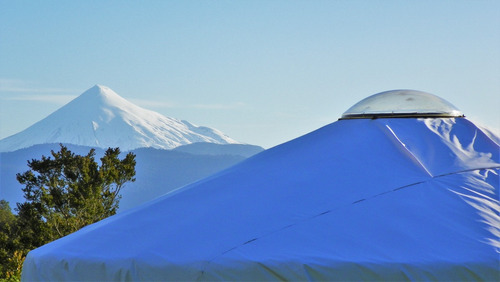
(101, 118)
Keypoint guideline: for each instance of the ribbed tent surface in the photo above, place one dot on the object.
(359, 199)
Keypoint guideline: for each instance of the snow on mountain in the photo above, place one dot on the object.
(101, 118)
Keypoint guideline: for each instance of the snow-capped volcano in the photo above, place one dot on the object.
(101, 118)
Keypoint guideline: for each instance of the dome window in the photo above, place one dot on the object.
(400, 104)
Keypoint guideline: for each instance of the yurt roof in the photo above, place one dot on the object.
(358, 199)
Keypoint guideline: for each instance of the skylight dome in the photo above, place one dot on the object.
(402, 103)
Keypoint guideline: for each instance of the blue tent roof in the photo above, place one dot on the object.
(372, 199)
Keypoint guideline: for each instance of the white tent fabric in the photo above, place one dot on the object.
(361, 199)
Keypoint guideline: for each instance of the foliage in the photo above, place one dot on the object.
(14, 266)
(9, 244)
(63, 193)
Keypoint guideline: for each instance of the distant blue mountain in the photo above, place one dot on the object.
(158, 171)
(204, 148)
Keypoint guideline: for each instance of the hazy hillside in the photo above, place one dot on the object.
(220, 149)
(158, 171)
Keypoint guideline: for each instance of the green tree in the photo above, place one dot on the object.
(63, 193)
(11, 254)
(66, 192)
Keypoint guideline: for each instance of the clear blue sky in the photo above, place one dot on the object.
(263, 72)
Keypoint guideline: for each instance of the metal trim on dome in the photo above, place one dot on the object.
(400, 115)
(402, 104)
